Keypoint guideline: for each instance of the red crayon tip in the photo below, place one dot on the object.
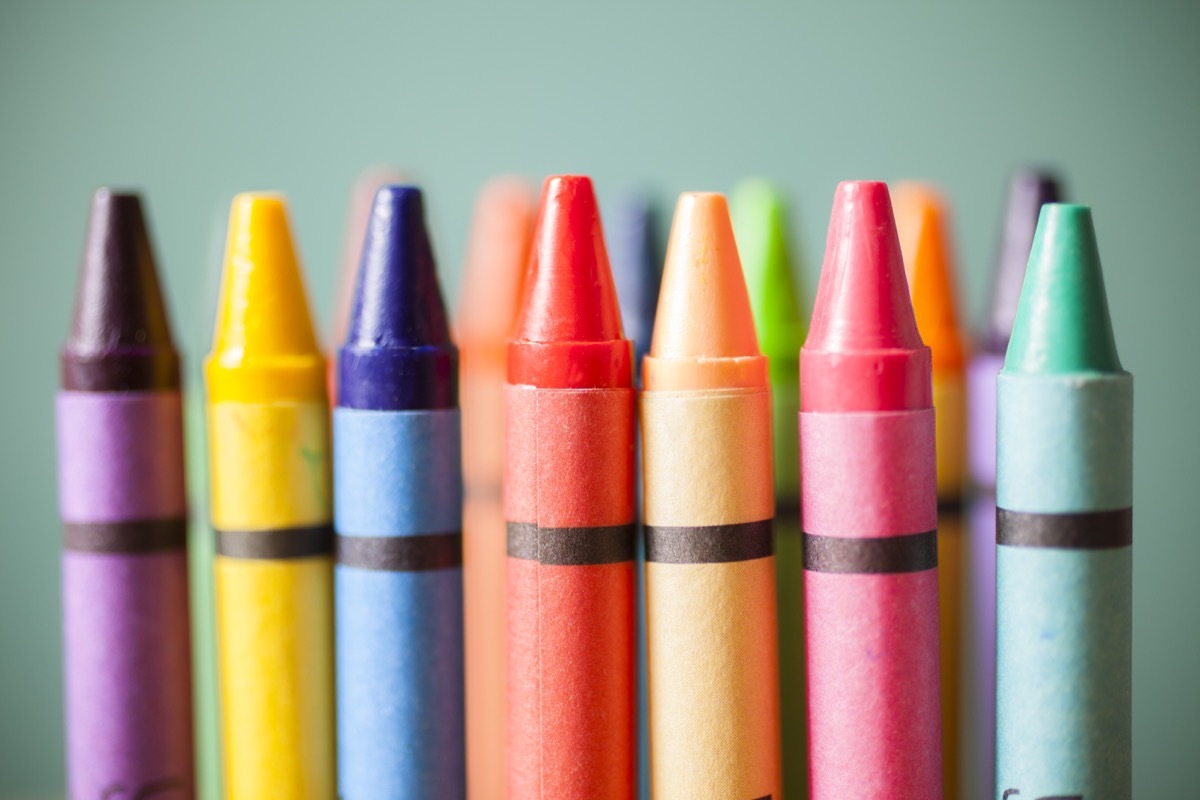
(569, 332)
(863, 351)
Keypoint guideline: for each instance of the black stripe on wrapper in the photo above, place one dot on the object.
(709, 544)
(141, 536)
(279, 544)
(610, 544)
(1081, 530)
(913, 552)
(400, 553)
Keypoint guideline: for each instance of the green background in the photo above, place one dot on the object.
(194, 102)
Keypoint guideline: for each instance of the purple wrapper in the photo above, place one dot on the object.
(128, 676)
(979, 675)
(981, 418)
(120, 456)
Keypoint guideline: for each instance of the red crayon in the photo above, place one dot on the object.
(869, 505)
(569, 500)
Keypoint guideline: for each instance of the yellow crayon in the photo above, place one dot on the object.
(269, 454)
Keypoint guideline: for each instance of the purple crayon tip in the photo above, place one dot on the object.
(1028, 191)
(120, 340)
(398, 354)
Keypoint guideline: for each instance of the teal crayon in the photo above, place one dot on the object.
(1064, 530)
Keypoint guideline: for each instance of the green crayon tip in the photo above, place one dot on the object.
(758, 221)
(1062, 324)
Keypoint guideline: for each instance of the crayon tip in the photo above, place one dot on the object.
(264, 327)
(1062, 324)
(398, 353)
(863, 351)
(497, 257)
(759, 216)
(635, 265)
(862, 299)
(922, 225)
(704, 315)
(120, 339)
(1028, 191)
(570, 300)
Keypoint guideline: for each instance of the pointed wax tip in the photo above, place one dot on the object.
(862, 299)
(922, 224)
(571, 296)
(1063, 325)
(1028, 191)
(759, 220)
(120, 337)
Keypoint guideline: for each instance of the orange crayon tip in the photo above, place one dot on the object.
(923, 227)
(704, 333)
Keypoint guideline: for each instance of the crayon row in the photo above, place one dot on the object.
(521, 600)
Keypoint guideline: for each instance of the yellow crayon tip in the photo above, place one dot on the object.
(265, 347)
(704, 329)
(921, 222)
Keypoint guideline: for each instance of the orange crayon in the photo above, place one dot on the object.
(493, 278)
(712, 639)
(923, 228)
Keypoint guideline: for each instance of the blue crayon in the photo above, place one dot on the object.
(398, 518)
(1064, 530)
(637, 272)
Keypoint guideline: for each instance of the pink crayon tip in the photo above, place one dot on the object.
(863, 351)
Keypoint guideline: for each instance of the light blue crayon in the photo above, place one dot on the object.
(1064, 531)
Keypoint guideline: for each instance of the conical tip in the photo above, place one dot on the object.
(120, 338)
(1063, 324)
(636, 264)
(922, 224)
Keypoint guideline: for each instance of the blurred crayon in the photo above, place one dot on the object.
(869, 506)
(493, 279)
(1064, 530)
(711, 625)
(398, 497)
(362, 195)
(759, 220)
(636, 273)
(1028, 191)
(126, 655)
(569, 501)
(268, 430)
(923, 226)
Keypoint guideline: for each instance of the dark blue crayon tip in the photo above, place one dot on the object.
(398, 355)
(636, 266)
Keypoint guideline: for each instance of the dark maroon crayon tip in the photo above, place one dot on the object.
(1028, 191)
(120, 339)
(398, 355)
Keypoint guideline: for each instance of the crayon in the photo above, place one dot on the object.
(1064, 530)
(922, 223)
(709, 502)
(1028, 191)
(869, 507)
(397, 488)
(759, 220)
(569, 501)
(268, 428)
(126, 654)
(636, 273)
(362, 195)
(493, 277)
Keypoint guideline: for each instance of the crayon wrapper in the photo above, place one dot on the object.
(571, 626)
(711, 627)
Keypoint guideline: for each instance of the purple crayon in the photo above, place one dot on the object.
(121, 496)
(1028, 191)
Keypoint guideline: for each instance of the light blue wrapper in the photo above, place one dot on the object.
(399, 635)
(1064, 615)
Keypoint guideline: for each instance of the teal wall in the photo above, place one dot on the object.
(193, 102)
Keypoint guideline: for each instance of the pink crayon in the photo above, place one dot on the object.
(869, 506)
